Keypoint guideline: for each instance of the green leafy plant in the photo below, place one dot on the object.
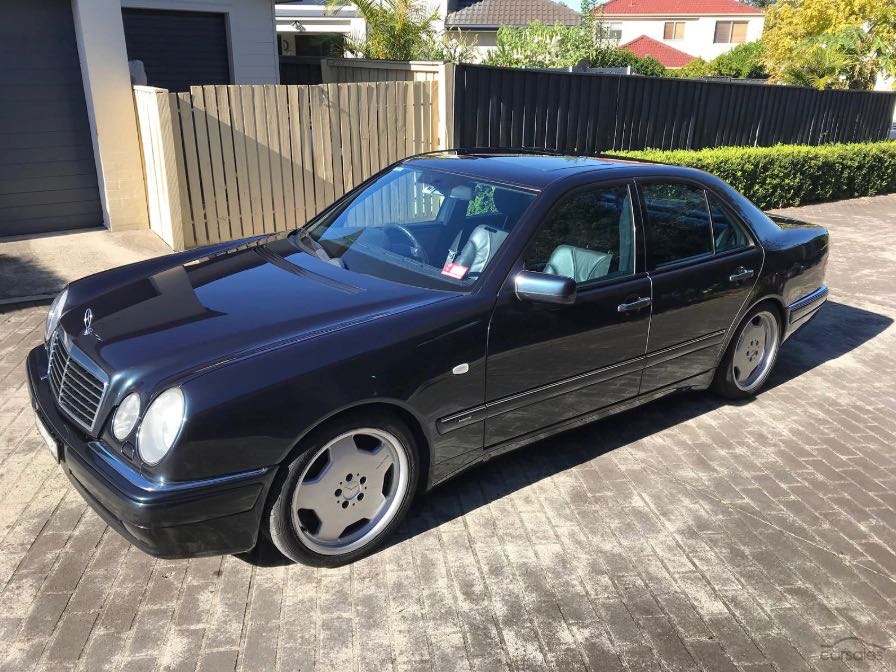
(842, 44)
(745, 61)
(788, 175)
(539, 45)
(403, 30)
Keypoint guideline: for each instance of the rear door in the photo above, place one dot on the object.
(548, 363)
(703, 265)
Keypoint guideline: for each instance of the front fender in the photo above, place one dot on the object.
(250, 413)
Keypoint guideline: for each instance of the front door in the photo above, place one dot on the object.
(703, 266)
(548, 363)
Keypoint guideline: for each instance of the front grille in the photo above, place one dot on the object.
(78, 390)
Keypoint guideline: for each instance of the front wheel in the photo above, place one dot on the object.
(343, 495)
(751, 354)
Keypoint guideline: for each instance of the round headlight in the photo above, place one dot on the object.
(161, 426)
(126, 416)
(55, 313)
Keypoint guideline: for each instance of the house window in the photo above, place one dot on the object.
(728, 32)
(614, 31)
(674, 30)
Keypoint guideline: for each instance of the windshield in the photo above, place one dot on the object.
(420, 227)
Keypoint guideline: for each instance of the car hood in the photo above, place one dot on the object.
(168, 319)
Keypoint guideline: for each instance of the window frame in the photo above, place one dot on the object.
(735, 222)
(700, 258)
(675, 25)
(614, 30)
(730, 32)
(638, 249)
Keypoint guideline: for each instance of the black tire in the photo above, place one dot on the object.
(724, 383)
(279, 518)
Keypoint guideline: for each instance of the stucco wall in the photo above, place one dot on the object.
(698, 32)
(110, 102)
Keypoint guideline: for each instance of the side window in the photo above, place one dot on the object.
(589, 236)
(727, 233)
(678, 224)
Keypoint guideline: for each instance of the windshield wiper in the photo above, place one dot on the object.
(314, 247)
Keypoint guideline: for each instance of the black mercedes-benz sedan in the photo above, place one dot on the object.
(303, 388)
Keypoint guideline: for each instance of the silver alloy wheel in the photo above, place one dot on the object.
(350, 490)
(755, 351)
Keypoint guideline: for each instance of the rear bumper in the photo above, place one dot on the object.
(804, 309)
(168, 520)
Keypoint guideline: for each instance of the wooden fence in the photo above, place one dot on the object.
(223, 162)
(590, 113)
(344, 70)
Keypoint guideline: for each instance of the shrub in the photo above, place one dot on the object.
(742, 62)
(787, 175)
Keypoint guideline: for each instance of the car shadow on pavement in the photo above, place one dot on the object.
(21, 278)
(835, 331)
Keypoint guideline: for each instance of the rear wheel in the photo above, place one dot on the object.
(343, 495)
(751, 354)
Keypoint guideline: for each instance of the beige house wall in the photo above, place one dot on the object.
(110, 108)
(110, 98)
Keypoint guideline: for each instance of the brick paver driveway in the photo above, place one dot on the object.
(690, 534)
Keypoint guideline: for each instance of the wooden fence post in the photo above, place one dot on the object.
(162, 165)
(446, 105)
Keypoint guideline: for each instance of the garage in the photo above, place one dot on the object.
(48, 177)
(178, 49)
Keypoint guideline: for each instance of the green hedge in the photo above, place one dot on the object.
(786, 175)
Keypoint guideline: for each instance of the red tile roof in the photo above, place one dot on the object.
(668, 56)
(677, 7)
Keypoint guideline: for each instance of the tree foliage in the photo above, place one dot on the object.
(745, 61)
(542, 46)
(831, 43)
(403, 30)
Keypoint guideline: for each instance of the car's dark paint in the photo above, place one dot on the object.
(268, 342)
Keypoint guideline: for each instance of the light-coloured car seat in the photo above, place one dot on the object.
(485, 240)
(578, 263)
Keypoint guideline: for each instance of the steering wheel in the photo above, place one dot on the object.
(417, 251)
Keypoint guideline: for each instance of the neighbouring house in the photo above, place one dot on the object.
(479, 20)
(670, 30)
(670, 57)
(307, 29)
(69, 151)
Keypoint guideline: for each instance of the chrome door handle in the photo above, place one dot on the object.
(637, 304)
(741, 273)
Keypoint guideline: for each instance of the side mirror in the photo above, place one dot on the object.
(544, 288)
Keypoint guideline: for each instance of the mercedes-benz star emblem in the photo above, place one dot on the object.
(88, 320)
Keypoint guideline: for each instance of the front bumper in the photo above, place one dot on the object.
(167, 520)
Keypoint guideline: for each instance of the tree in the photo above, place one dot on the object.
(402, 30)
(542, 46)
(539, 45)
(745, 61)
(830, 43)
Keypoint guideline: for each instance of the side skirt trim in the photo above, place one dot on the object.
(543, 393)
(698, 382)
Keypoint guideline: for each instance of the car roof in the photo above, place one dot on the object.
(537, 171)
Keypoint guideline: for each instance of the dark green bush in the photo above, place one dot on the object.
(787, 175)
